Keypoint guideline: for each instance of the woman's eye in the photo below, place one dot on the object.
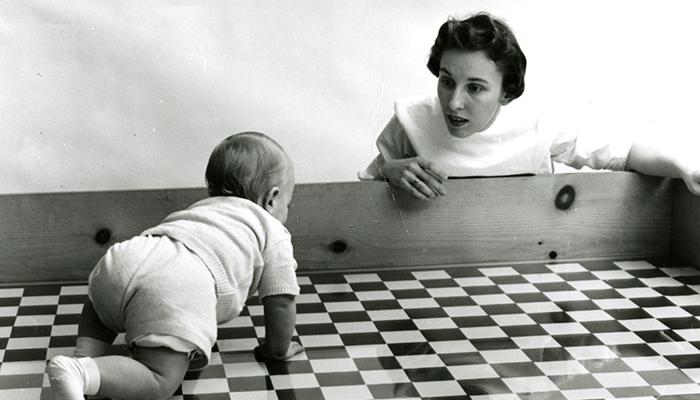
(446, 82)
(475, 88)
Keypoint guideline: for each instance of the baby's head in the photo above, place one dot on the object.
(482, 32)
(253, 166)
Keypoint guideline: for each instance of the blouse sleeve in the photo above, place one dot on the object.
(579, 151)
(393, 144)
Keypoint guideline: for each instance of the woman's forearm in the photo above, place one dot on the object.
(649, 160)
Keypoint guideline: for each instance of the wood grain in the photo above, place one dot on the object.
(51, 236)
(354, 225)
(685, 238)
(492, 220)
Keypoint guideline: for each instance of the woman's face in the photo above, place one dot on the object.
(470, 89)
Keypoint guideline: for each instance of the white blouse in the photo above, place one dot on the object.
(516, 143)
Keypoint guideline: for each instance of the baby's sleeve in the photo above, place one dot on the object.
(393, 144)
(596, 152)
(279, 270)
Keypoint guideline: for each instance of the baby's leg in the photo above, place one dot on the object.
(72, 377)
(94, 338)
(153, 373)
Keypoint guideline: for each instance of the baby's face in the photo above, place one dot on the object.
(470, 89)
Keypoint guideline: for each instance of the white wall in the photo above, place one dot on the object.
(135, 94)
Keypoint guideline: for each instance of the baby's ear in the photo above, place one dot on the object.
(270, 197)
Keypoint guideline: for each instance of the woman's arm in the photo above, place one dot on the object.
(652, 160)
(645, 156)
(399, 165)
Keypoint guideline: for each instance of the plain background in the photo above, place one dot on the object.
(135, 94)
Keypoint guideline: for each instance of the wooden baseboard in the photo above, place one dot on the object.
(685, 238)
(486, 220)
(354, 225)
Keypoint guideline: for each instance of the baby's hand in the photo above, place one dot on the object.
(262, 353)
(294, 349)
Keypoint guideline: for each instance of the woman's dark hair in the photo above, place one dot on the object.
(245, 165)
(482, 32)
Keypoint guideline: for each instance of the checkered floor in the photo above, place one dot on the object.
(589, 330)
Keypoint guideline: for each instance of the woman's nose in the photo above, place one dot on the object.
(457, 100)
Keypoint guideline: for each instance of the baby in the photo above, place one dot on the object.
(477, 126)
(170, 287)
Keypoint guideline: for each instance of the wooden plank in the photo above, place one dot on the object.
(51, 237)
(685, 237)
(488, 220)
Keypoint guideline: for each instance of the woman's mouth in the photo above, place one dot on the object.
(457, 121)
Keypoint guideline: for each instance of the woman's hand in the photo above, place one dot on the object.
(691, 177)
(667, 161)
(422, 178)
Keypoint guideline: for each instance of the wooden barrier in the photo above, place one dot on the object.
(685, 238)
(354, 225)
(54, 236)
(487, 220)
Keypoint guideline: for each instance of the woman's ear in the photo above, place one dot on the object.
(505, 99)
(270, 198)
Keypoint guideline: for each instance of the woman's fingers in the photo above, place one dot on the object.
(692, 181)
(433, 169)
(424, 186)
(416, 175)
(419, 189)
(428, 180)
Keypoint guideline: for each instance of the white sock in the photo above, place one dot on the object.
(71, 378)
(92, 375)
